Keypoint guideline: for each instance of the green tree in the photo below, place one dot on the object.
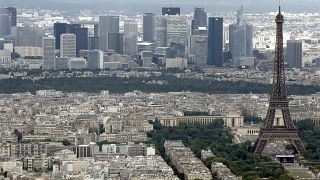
(66, 142)
(18, 134)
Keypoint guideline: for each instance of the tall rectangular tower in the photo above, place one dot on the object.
(198, 47)
(5, 25)
(48, 45)
(81, 37)
(161, 30)
(240, 38)
(148, 27)
(107, 24)
(68, 45)
(59, 28)
(130, 37)
(13, 15)
(294, 53)
(95, 60)
(215, 41)
(199, 20)
(177, 30)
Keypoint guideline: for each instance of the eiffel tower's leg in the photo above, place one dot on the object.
(270, 116)
(287, 118)
(297, 143)
(261, 144)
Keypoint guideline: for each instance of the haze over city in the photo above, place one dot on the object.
(134, 6)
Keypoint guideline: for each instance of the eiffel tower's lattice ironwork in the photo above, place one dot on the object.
(278, 103)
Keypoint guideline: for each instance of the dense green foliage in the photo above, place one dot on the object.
(219, 140)
(252, 119)
(18, 134)
(122, 85)
(66, 142)
(195, 113)
(310, 135)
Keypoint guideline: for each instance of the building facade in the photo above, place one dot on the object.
(215, 42)
(294, 53)
(148, 27)
(107, 24)
(68, 45)
(48, 45)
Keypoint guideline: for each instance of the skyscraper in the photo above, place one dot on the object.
(171, 11)
(81, 37)
(5, 25)
(48, 45)
(115, 42)
(177, 30)
(199, 20)
(107, 24)
(11, 12)
(148, 27)
(95, 60)
(240, 38)
(130, 28)
(199, 49)
(294, 53)
(93, 43)
(96, 30)
(77, 29)
(68, 45)
(28, 36)
(130, 37)
(215, 41)
(59, 28)
(13, 15)
(161, 31)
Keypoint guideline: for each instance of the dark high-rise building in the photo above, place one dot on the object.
(5, 25)
(13, 15)
(115, 42)
(148, 27)
(59, 28)
(93, 43)
(170, 11)
(8, 19)
(71, 27)
(199, 20)
(215, 41)
(294, 53)
(96, 30)
(81, 36)
(107, 24)
(80, 32)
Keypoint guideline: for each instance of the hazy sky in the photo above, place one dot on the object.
(133, 6)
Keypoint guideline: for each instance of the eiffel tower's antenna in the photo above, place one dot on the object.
(279, 2)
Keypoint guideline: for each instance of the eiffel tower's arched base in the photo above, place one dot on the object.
(267, 135)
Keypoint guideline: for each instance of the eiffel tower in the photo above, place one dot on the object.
(274, 130)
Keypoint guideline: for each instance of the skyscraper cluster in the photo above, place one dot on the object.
(170, 34)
